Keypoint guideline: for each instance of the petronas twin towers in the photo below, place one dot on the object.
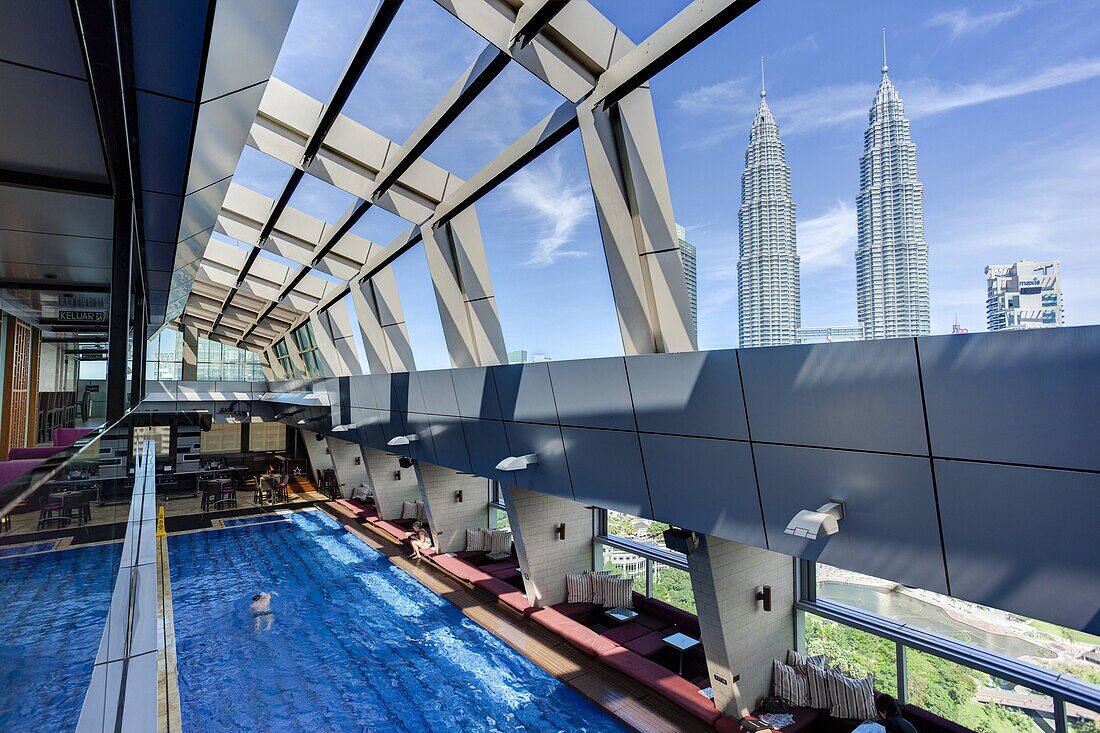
(891, 255)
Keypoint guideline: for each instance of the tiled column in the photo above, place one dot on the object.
(448, 517)
(543, 558)
(740, 638)
(317, 450)
(390, 490)
(349, 473)
(190, 370)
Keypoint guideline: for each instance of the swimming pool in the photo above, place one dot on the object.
(356, 643)
(55, 605)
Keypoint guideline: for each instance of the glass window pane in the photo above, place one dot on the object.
(625, 565)
(974, 699)
(856, 653)
(673, 585)
(636, 528)
(498, 518)
(1032, 641)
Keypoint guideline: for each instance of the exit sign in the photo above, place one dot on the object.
(81, 316)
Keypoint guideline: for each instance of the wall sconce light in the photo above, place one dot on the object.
(518, 463)
(458, 496)
(764, 595)
(403, 440)
(396, 475)
(405, 462)
(814, 524)
(358, 460)
(560, 530)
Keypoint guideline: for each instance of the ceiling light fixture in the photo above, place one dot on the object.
(518, 463)
(820, 523)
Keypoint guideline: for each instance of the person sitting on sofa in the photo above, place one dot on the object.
(420, 541)
(889, 712)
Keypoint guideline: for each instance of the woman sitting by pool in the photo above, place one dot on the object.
(260, 608)
(420, 541)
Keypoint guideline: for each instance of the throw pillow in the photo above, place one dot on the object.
(420, 510)
(408, 510)
(617, 592)
(597, 585)
(817, 679)
(475, 540)
(578, 588)
(800, 661)
(500, 541)
(851, 699)
(789, 685)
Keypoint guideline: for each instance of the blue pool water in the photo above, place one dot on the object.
(356, 643)
(258, 519)
(25, 549)
(54, 606)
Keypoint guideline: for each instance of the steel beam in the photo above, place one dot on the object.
(59, 184)
(121, 253)
(533, 15)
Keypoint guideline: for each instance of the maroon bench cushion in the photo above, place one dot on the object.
(626, 632)
(496, 586)
(575, 610)
(516, 599)
(461, 569)
(65, 437)
(11, 470)
(580, 636)
(493, 567)
(393, 530)
(662, 681)
(687, 622)
(469, 554)
(506, 574)
(648, 645)
(38, 451)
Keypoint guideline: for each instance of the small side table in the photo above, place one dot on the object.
(620, 615)
(681, 643)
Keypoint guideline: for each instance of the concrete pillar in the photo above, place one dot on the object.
(190, 354)
(347, 459)
(390, 490)
(543, 558)
(317, 450)
(448, 517)
(740, 638)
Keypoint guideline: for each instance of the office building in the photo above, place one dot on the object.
(691, 277)
(1023, 294)
(891, 256)
(768, 291)
(829, 334)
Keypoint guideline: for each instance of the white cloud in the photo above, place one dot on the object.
(559, 202)
(842, 103)
(828, 240)
(963, 22)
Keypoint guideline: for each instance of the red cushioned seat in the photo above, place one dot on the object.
(495, 566)
(580, 636)
(575, 610)
(38, 451)
(517, 600)
(506, 574)
(495, 586)
(398, 533)
(652, 622)
(664, 682)
(461, 569)
(648, 645)
(686, 621)
(469, 554)
(626, 632)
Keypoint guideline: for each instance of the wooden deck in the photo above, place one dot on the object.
(631, 703)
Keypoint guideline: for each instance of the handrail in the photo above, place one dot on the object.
(116, 699)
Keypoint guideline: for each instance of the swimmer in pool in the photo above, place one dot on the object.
(260, 608)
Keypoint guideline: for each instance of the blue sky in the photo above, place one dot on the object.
(1002, 97)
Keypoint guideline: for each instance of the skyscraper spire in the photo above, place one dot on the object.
(892, 256)
(769, 296)
(885, 68)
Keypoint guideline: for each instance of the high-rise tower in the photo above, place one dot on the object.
(687, 254)
(892, 256)
(767, 271)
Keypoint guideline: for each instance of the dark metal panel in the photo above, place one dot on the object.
(450, 442)
(164, 129)
(41, 34)
(693, 393)
(369, 431)
(704, 484)
(439, 392)
(863, 396)
(488, 445)
(422, 449)
(362, 391)
(382, 385)
(168, 43)
(890, 529)
(593, 393)
(1023, 540)
(1027, 397)
(605, 468)
(476, 393)
(160, 215)
(525, 392)
(415, 396)
(551, 474)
